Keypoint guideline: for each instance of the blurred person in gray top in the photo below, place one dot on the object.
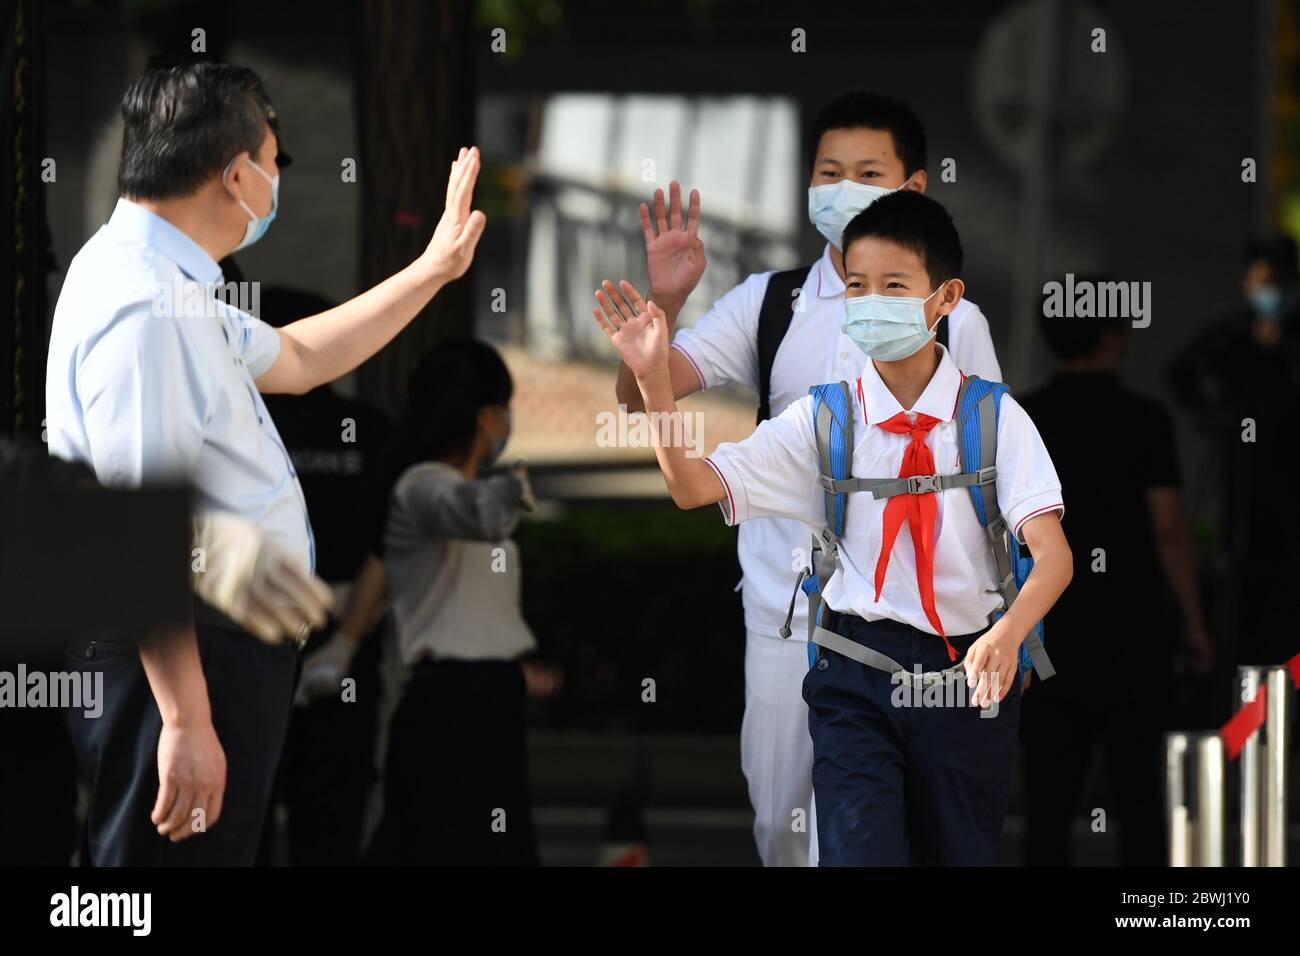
(456, 783)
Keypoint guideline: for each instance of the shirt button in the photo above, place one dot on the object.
(844, 355)
(90, 650)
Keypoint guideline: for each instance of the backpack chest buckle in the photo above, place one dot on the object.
(922, 484)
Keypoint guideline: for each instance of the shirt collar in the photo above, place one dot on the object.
(829, 283)
(939, 400)
(133, 221)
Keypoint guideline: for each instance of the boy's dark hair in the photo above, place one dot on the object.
(1279, 251)
(452, 382)
(913, 221)
(1072, 337)
(185, 122)
(864, 109)
(449, 386)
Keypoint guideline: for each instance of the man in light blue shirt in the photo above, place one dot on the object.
(150, 378)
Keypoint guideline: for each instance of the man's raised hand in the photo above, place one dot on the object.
(638, 329)
(673, 250)
(451, 250)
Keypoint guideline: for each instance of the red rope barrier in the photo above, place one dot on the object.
(1250, 717)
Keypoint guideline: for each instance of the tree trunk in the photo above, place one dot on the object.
(415, 108)
(23, 228)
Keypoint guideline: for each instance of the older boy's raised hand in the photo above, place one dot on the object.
(638, 329)
(674, 253)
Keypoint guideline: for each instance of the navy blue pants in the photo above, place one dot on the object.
(250, 690)
(905, 785)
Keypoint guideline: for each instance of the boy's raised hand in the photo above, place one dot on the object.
(674, 253)
(638, 329)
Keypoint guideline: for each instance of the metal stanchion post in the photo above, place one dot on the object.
(1209, 800)
(1176, 814)
(1249, 680)
(1275, 747)
(1196, 831)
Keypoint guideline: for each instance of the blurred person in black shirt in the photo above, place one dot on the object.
(1240, 379)
(1112, 633)
(328, 766)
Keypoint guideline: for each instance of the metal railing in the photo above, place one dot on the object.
(582, 233)
(1196, 781)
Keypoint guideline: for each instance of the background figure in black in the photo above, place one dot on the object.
(1112, 635)
(328, 766)
(456, 776)
(1244, 370)
(38, 771)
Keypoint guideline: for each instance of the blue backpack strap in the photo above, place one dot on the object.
(979, 403)
(832, 413)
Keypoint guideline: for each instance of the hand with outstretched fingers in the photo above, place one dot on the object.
(674, 253)
(638, 329)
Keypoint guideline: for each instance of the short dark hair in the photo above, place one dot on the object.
(1072, 337)
(184, 123)
(865, 109)
(449, 386)
(1279, 251)
(913, 221)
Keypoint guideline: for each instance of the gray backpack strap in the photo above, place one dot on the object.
(889, 487)
(883, 662)
(996, 525)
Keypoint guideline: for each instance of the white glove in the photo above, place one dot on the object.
(526, 499)
(323, 669)
(255, 582)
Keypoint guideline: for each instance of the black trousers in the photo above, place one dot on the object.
(1066, 720)
(900, 778)
(250, 688)
(38, 781)
(456, 778)
(328, 768)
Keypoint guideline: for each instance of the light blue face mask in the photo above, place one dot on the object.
(499, 444)
(257, 225)
(1269, 302)
(888, 327)
(832, 205)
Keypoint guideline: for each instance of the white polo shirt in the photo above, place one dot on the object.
(723, 347)
(774, 473)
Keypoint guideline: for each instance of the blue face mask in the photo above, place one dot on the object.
(1268, 302)
(499, 444)
(832, 205)
(888, 327)
(257, 225)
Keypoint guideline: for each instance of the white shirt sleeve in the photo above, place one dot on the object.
(144, 396)
(723, 344)
(971, 343)
(1027, 484)
(774, 472)
(259, 343)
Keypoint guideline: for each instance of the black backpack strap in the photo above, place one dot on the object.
(773, 321)
(942, 336)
